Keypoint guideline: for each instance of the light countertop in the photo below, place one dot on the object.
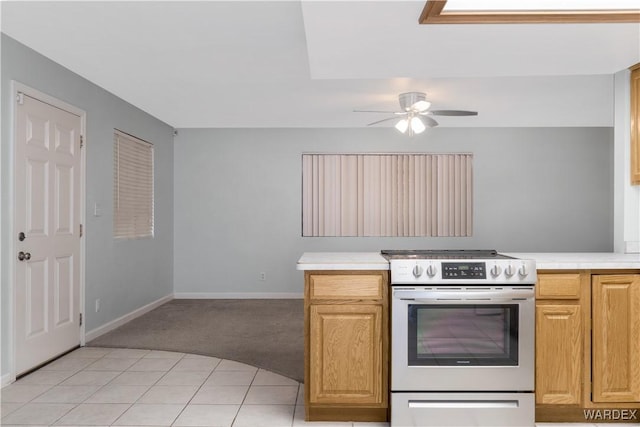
(342, 261)
(544, 260)
(581, 260)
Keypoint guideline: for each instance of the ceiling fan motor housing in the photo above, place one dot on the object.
(408, 99)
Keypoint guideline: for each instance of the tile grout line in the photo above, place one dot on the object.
(198, 389)
(75, 405)
(110, 383)
(187, 404)
(295, 406)
(113, 423)
(104, 356)
(244, 398)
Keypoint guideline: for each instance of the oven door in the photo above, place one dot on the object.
(463, 339)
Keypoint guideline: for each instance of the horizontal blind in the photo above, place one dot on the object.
(132, 187)
(387, 195)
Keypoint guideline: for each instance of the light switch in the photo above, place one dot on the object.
(97, 209)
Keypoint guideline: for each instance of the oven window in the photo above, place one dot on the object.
(463, 335)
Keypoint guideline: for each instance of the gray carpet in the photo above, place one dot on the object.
(263, 333)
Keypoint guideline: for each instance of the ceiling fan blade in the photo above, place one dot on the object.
(452, 113)
(378, 111)
(429, 121)
(383, 120)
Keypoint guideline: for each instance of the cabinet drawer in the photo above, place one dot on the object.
(346, 286)
(558, 286)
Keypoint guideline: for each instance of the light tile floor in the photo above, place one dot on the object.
(128, 387)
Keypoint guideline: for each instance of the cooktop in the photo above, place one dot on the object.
(443, 254)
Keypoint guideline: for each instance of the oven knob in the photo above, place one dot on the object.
(509, 271)
(496, 270)
(431, 271)
(417, 271)
(523, 271)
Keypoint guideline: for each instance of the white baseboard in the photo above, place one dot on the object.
(238, 295)
(101, 330)
(5, 380)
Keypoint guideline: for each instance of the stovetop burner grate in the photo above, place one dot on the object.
(442, 254)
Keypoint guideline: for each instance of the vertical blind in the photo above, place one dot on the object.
(132, 187)
(387, 195)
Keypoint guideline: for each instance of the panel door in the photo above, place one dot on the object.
(616, 338)
(558, 354)
(635, 125)
(47, 212)
(346, 354)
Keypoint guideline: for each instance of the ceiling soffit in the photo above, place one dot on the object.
(309, 64)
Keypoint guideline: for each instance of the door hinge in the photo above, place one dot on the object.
(20, 98)
(81, 230)
(80, 319)
(81, 141)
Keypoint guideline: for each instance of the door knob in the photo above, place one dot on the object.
(21, 236)
(24, 256)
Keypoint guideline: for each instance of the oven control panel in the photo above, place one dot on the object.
(476, 272)
(464, 270)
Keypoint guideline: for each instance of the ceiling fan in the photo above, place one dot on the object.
(415, 116)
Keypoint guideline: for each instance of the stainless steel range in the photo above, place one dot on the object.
(462, 335)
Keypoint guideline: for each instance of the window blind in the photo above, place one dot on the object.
(132, 187)
(387, 195)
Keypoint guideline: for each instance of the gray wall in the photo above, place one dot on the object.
(238, 197)
(125, 275)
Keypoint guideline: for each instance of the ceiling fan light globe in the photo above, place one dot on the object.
(417, 126)
(421, 106)
(402, 125)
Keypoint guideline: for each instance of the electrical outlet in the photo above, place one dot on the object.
(97, 305)
(263, 276)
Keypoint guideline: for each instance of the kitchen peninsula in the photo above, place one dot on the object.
(346, 329)
(574, 292)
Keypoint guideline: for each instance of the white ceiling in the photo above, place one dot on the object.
(310, 63)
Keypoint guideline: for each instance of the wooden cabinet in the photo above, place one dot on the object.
(558, 350)
(635, 124)
(616, 338)
(559, 338)
(345, 354)
(346, 346)
(587, 345)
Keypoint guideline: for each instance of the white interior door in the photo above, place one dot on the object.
(47, 210)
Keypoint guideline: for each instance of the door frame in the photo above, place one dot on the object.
(16, 89)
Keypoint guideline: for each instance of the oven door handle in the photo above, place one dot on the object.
(463, 404)
(497, 296)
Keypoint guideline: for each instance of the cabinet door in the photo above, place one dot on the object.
(558, 354)
(346, 354)
(616, 338)
(635, 125)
